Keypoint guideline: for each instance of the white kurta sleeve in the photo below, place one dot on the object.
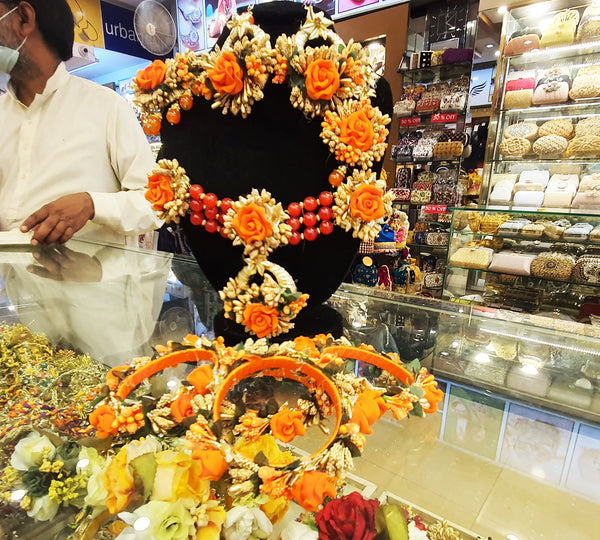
(127, 211)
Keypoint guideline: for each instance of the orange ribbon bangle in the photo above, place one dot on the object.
(164, 362)
(369, 357)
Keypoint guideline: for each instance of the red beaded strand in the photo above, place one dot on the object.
(314, 214)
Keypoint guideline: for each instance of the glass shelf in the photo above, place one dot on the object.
(530, 277)
(559, 213)
(548, 112)
(553, 54)
(435, 73)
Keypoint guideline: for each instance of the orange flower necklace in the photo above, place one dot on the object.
(335, 82)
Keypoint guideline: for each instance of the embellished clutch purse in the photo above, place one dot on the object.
(472, 257)
(556, 266)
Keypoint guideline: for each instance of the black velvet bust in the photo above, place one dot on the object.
(276, 148)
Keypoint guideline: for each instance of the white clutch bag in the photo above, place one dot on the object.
(563, 182)
(509, 262)
(501, 194)
(557, 199)
(528, 198)
(534, 177)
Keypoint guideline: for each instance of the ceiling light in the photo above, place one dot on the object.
(497, 53)
(502, 9)
(489, 45)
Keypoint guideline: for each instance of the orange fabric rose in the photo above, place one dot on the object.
(366, 203)
(201, 378)
(119, 483)
(151, 76)
(305, 345)
(209, 464)
(103, 418)
(368, 408)
(262, 320)
(159, 190)
(181, 407)
(322, 79)
(357, 131)
(227, 75)
(251, 224)
(286, 424)
(311, 488)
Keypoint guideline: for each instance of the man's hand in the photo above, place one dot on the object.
(63, 264)
(58, 221)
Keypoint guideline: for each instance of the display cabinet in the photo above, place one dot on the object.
(542, 146)
(494, 440)
(526, 261)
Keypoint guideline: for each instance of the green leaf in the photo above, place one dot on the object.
(144, 469)
(261, 460)
(293, 465)
(345, 440)
(417, 391)
(414, 367)
(417, 409)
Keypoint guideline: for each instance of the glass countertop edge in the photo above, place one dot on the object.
(546, 325)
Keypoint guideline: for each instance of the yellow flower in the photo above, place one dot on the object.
(175, 479)
(268, 446)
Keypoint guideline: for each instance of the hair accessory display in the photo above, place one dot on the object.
(227, 438)
(333, 81)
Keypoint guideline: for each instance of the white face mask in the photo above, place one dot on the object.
(8, 56)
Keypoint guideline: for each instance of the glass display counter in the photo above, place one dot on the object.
(494, 461)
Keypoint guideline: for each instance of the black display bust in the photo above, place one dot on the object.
(276, 148)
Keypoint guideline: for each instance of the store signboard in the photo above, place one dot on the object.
(88, 22)
(119, 34)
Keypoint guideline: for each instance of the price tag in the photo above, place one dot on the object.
(412, 121)
(444, 118)
(435, 208)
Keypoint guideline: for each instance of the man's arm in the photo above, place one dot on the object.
(126, 212)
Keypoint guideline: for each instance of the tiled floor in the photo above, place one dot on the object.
(412, 461)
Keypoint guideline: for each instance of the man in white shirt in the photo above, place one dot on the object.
(73, 157)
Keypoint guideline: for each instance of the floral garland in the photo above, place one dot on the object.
(332, 81)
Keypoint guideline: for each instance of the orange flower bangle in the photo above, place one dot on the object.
(317, 363)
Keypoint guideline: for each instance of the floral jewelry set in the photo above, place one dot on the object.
(234, 446)
(334, 82)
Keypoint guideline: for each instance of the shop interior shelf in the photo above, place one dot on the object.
(548, 112)
(435, 73)
(540, 57)
(591, 286)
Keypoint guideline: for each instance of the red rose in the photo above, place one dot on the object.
(350, 517)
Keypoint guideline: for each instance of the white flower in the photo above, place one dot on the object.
(31, 450)
(158, 520)
(298, 531)
(414, 533)
(149, 445)
(243, 523)
(96, 492)
(90, 461)
(43, 509)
